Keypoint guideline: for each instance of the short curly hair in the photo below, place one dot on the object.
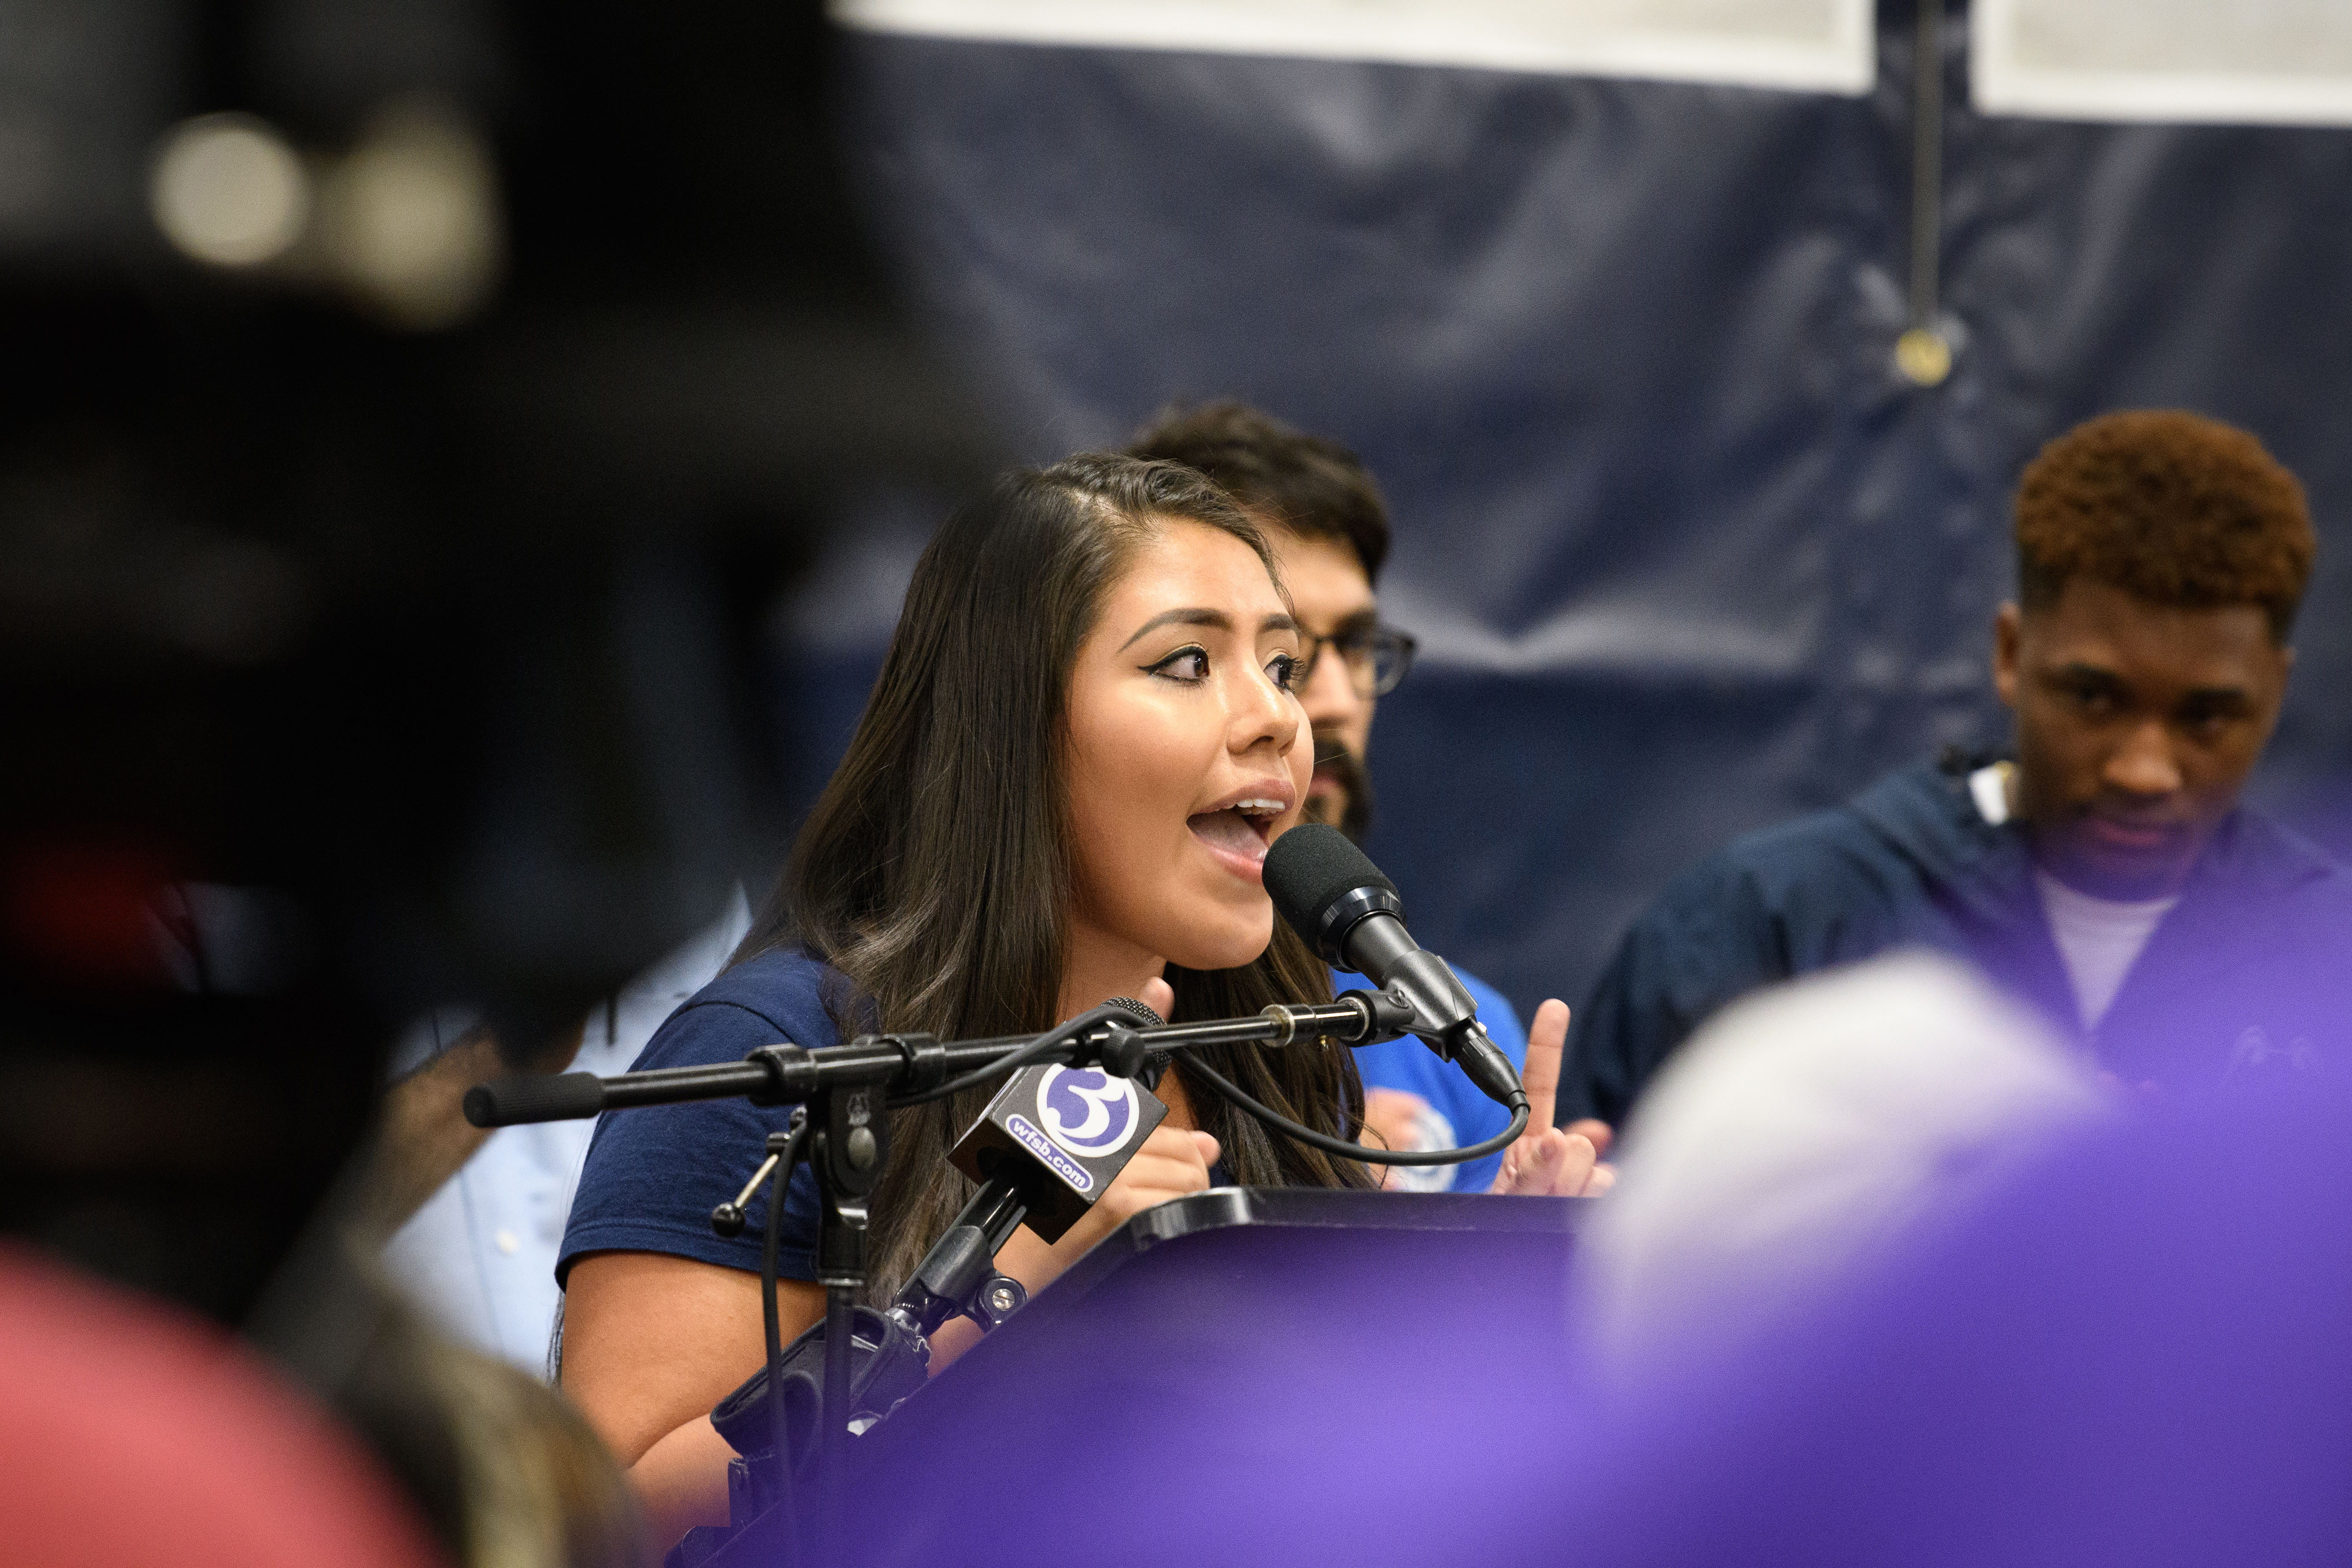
(1313, 487)
(2167, 506)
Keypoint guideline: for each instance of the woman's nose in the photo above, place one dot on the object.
(1264, 713)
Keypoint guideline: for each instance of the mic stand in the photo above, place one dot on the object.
(845, 1093)
(727, 1219)
(845, 1138)
(959, 1278)
(851, 1144)
(888, 1354)
(915, 1067)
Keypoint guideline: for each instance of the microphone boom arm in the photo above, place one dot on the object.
(912, 1064)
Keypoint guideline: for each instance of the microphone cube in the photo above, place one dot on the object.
(1063, 1134)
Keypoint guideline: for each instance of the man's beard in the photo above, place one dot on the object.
(1347, 770)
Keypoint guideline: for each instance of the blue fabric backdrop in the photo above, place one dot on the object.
(1685, 552)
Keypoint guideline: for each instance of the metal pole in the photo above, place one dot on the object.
(833, 1446)
(1922, 353)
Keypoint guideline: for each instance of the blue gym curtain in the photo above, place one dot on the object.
(1685, 553)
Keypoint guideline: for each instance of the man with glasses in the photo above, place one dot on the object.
(1329, 531)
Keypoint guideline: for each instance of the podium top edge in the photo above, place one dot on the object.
(1315, 1209)
(1321, 1209)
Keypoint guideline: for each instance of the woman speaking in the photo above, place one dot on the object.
(1062, 790)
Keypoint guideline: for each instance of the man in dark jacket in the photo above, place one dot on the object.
(2108, 876)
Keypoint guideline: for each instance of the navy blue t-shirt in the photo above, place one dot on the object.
(654, 1172)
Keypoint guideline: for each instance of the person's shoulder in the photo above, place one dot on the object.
(1916, 816)
(1760, 863)
(777, 977)
(1860, 864)
(777, 993)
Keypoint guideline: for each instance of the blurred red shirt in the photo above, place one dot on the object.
(133, 1435)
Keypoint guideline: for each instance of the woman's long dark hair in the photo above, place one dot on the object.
(935, 870)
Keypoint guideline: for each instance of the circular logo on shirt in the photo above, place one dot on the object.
(1085, 1109)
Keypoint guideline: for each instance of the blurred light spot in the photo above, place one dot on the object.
(228, 191)
(1925, 358)
(411, 217)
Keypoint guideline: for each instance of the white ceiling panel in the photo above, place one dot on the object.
(1820, 46)
(2277, 62)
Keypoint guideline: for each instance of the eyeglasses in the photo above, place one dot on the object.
(1376, 657)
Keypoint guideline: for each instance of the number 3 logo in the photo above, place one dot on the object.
(1085, 1109)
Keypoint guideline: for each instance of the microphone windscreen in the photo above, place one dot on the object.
(1311, 867)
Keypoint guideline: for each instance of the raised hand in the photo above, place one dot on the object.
(1548, 1161)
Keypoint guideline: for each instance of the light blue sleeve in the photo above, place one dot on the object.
(1409, 1066)
(479, 1256)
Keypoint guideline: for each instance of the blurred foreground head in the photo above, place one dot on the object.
(357, 663)
(1801, 1133)
(2135, 1350)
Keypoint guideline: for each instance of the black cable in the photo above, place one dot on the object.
(779, 1419)
(835, 1405)
(1015, 1060)
(1194, 1068)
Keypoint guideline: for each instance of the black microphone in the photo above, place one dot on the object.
(1333, 896)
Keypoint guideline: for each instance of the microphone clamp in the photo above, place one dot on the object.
(1128, 1055)
(1387, 1015)
(1124, 1053)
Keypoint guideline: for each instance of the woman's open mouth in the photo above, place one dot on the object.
(1238, 834)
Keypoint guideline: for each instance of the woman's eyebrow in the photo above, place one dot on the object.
(1279, 623)
(1216, 619)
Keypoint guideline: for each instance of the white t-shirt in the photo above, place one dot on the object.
(2098, 939)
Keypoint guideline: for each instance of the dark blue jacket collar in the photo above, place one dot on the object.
(1980, 878)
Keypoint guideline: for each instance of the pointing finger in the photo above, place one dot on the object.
(1547, 1037)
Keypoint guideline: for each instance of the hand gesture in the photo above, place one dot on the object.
(1548, 1161)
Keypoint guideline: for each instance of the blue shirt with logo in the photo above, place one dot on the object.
(1468, 1116)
